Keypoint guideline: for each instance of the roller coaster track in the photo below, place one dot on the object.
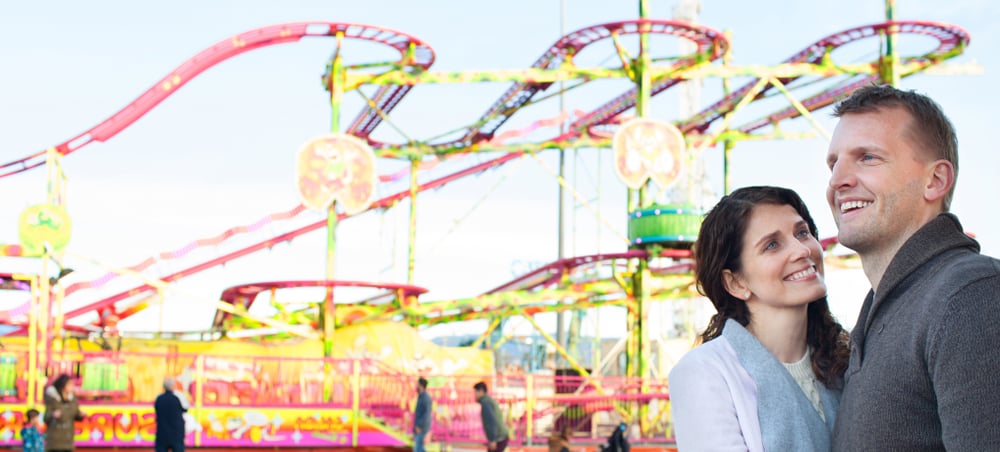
(710, 46)
(413, 54)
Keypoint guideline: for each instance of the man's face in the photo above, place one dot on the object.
(877, 181)
(480, 394)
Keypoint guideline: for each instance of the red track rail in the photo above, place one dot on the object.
(710, 45)
(949, 37)
(423, 57)
(245, 294)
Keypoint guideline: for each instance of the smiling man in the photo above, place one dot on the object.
(924, 370)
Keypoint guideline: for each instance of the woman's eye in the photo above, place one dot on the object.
(802, 234)
(770, 245)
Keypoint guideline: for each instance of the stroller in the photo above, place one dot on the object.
(617, 442)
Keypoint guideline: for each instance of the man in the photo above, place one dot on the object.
(422, 415)
(924, 369)
(169, 419)
(493, 427)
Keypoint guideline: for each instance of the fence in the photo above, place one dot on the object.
(534, 405)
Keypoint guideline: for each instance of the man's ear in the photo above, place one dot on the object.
(941, 178)
(735, 285)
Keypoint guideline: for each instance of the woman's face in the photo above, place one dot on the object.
(70, 388)
(782, 263)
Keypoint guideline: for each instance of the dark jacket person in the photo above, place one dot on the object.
(169, 419)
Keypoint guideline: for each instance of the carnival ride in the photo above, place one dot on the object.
(317, 381)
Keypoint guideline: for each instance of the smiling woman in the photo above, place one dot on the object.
(773, 352)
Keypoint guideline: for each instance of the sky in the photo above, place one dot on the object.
(220, 152)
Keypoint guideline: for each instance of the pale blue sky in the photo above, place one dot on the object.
(220, 152)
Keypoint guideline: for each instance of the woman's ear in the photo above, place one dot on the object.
(735, 285)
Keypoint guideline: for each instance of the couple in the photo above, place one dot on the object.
(920, 370)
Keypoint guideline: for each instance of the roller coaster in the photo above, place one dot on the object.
(303, 380)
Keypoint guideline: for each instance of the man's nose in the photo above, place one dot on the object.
(840, 176)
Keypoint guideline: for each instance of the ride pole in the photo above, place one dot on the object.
(727, 146)
(44, 319)
(337, 79)
(33, 319)
(889, 67)
(640, 347)
(328, 313)
(411, 246)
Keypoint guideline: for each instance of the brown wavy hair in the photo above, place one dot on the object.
(718, 248)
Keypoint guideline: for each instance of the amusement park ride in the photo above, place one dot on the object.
(302, 387)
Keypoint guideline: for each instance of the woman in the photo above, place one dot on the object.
(61, 410)
(768, 374)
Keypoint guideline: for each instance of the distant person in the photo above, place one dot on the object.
(169, 419)
(62, 410)
(422, 415)
(493, 426)
(31, 438)
(767, 376)
(559, 440)
(924, 368)
(618, 440)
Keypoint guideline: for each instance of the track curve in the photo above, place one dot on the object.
(423, 57)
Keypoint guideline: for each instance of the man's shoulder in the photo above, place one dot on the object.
(963, 266)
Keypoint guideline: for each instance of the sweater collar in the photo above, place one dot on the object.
(941, 234)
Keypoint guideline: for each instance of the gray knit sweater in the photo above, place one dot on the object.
(924, 371)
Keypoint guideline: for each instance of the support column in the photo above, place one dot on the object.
(640, 347)
(411, 248)
(337, 80)
(889, 69)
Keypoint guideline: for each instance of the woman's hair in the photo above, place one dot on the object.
(718, 248)
(60, 384)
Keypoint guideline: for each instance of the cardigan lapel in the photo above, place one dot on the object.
(788, 420)
(941, 234)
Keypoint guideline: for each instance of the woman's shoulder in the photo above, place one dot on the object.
(700, 360)
(717, 350)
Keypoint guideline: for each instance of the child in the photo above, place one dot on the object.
(33, 439)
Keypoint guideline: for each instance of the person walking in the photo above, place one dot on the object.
(493, 426)
(169, 419)
(422, 415)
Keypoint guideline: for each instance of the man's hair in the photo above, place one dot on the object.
(169, 384)
(422, 382)
(481, 386)
(930, 129)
